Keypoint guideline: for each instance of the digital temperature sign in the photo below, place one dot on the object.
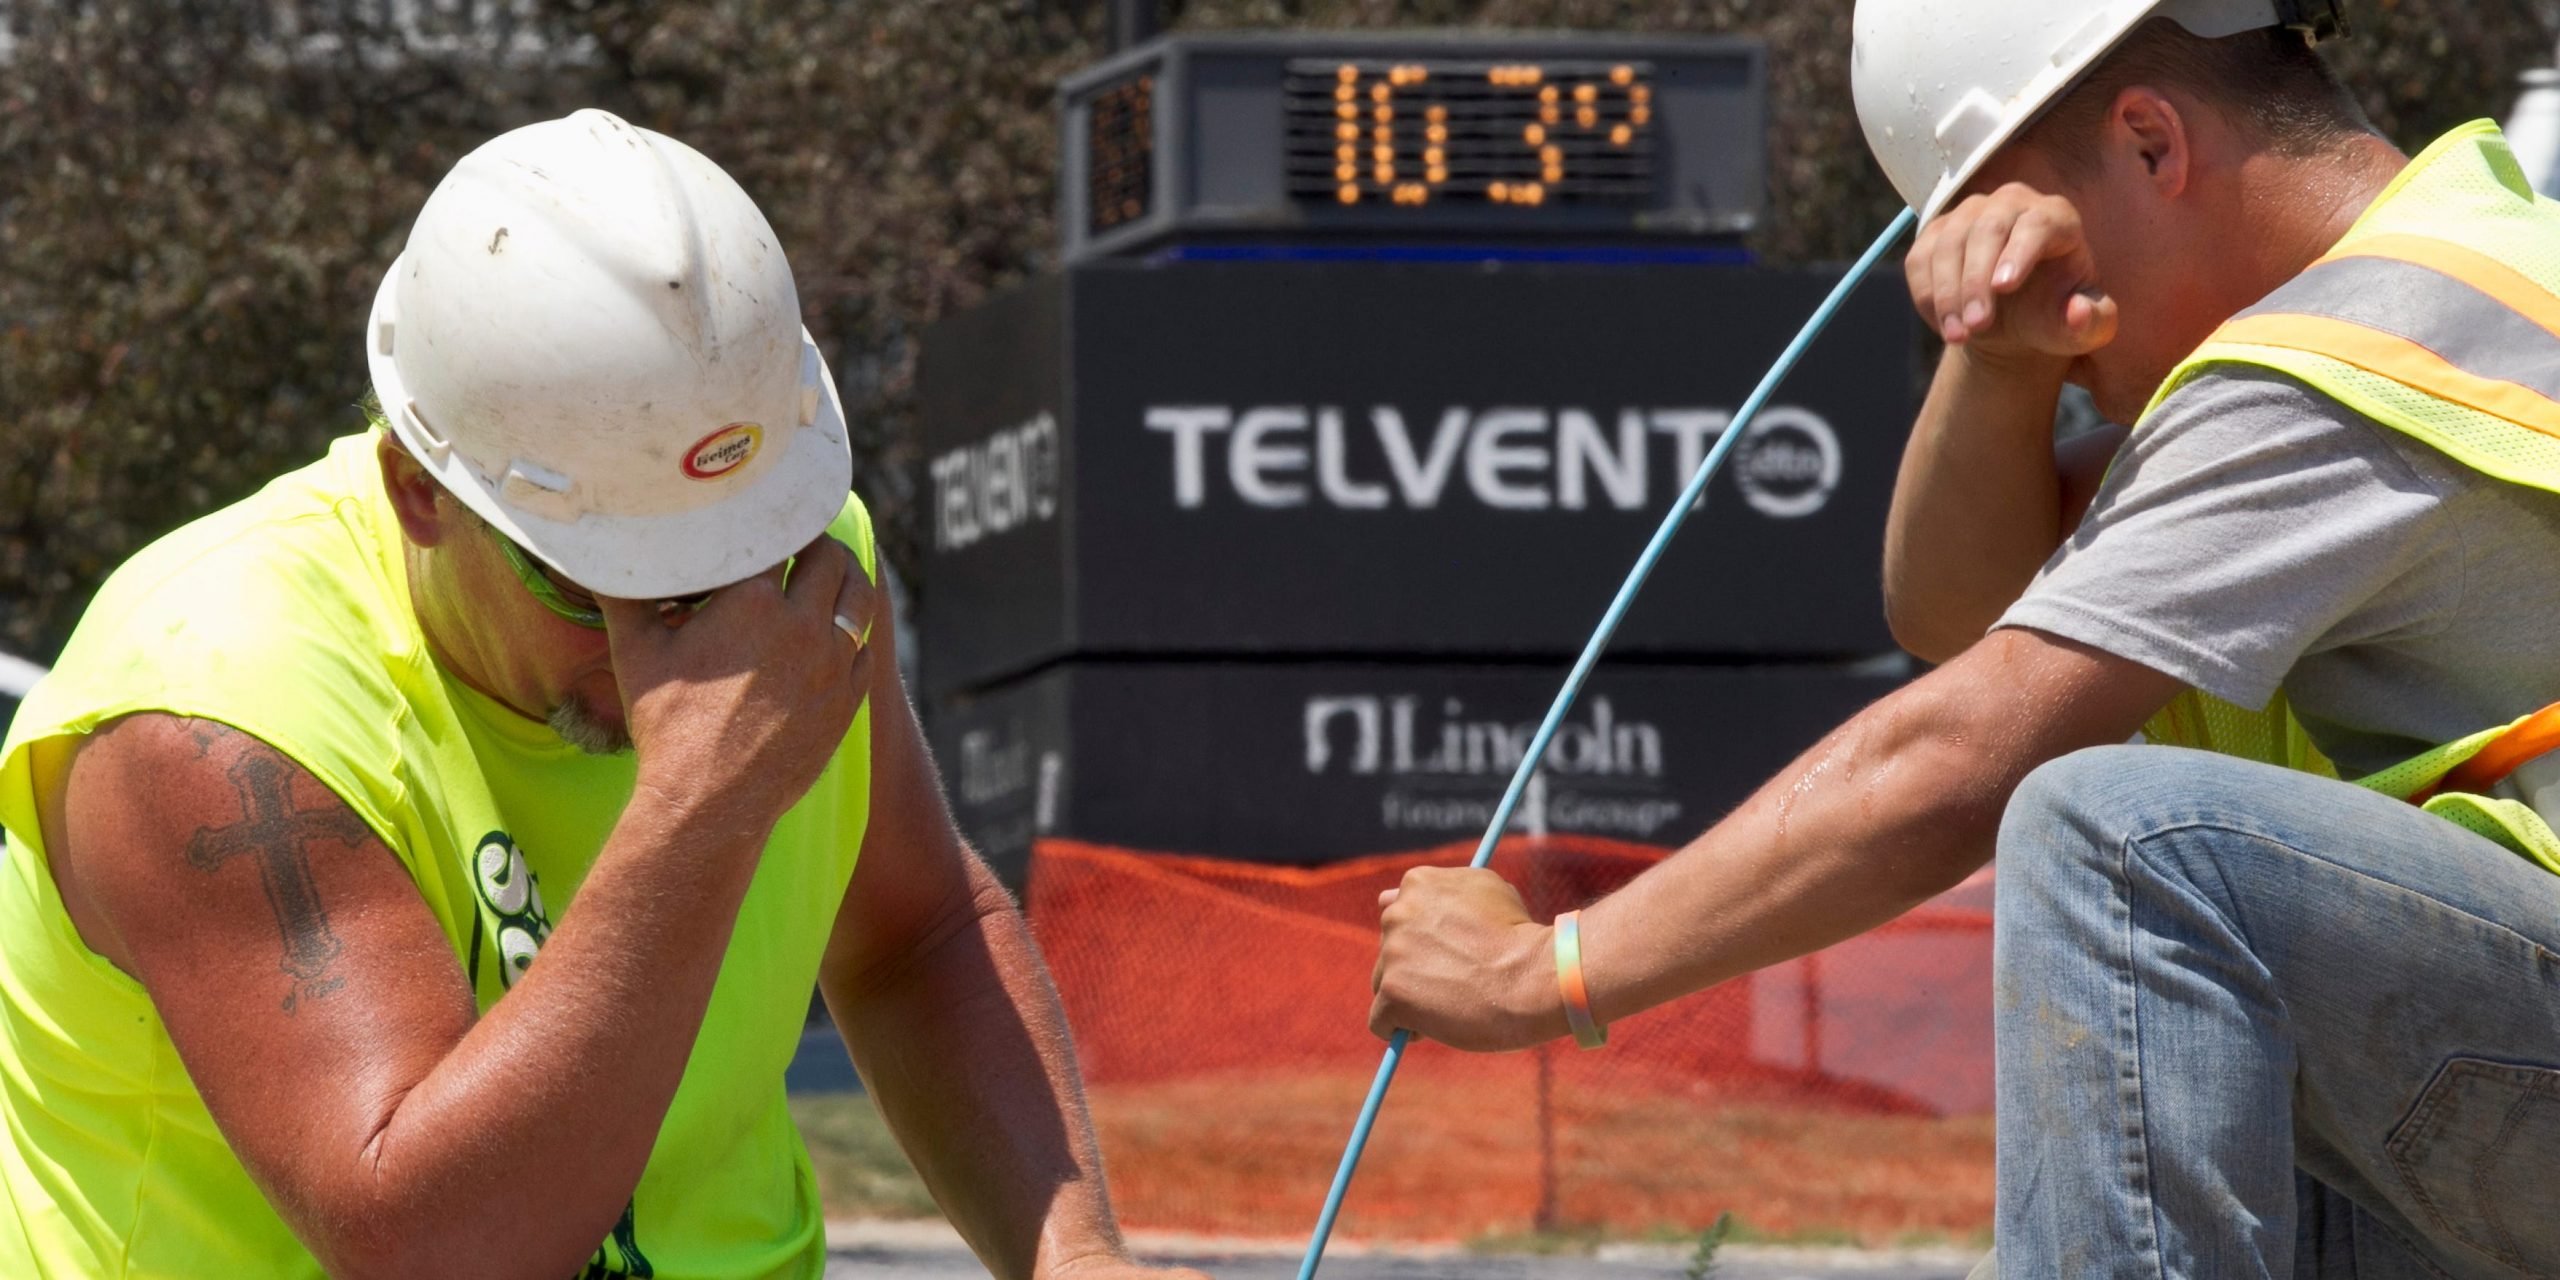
(1504, 133)
(1204, 140)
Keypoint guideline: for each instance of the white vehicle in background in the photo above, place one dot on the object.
(2534, 130)
(17, 675)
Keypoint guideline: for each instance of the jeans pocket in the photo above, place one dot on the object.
(2477, 1155)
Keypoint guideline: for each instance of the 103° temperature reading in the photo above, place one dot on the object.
(1417, 133)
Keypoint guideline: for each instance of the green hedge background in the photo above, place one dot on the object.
(198, 197)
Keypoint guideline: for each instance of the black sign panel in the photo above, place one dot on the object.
(1363, 458)
(994, 386)
(1314, 763)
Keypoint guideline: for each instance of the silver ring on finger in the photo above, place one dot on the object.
(851, 632)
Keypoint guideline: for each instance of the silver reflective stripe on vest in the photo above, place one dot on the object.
(2471, 330)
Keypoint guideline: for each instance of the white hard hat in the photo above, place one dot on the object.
(1943, 84)
(592, 339)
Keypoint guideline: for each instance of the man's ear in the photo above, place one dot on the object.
(2147, 131)
(428, 515)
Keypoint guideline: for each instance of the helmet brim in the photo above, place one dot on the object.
(654, 557)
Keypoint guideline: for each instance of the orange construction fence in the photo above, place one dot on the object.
(1220, 1010)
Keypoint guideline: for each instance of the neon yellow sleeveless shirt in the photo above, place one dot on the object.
(287, 616)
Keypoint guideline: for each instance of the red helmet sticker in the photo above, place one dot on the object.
(723, 451)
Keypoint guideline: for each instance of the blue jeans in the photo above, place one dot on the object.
(2252, 1023)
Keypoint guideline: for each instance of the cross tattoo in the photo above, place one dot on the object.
(274, 832)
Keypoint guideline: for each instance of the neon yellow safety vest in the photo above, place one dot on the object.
(287, 616)
(2438, 316)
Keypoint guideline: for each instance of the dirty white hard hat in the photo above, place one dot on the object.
(592, 340)
(1942, 85)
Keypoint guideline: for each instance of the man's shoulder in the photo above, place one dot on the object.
(281, 598)
(310, 528)
(2231, 416)
(2221, 389)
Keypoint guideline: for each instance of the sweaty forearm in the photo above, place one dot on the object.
(524, 1143)
(1977, 508)
(965, 1049)
(1884, 814)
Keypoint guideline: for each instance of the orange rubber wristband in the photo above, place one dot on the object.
(1577, 993)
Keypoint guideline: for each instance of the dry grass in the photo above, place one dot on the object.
(861, 1172)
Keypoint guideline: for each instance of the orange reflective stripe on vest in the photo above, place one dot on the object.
(2462, 338)
(2463, 263)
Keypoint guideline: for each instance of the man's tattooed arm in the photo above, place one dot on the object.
(278, 832)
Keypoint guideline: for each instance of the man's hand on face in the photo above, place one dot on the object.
(2008, 275)
(737, 711)
(1461, 962)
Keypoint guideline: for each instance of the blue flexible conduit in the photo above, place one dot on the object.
(1591, 652)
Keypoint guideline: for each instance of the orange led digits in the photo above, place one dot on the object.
(1582, 130)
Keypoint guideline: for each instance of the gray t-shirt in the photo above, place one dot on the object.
(2257, 535)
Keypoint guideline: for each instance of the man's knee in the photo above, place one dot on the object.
(2066, 830)
(2076, 802)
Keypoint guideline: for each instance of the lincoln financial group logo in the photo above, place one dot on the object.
(1277, 457)
(1443, 768)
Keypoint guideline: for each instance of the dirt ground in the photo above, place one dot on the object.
(873, 1251)
(1461, 1160)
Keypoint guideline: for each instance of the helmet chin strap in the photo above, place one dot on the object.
(2322, 20)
